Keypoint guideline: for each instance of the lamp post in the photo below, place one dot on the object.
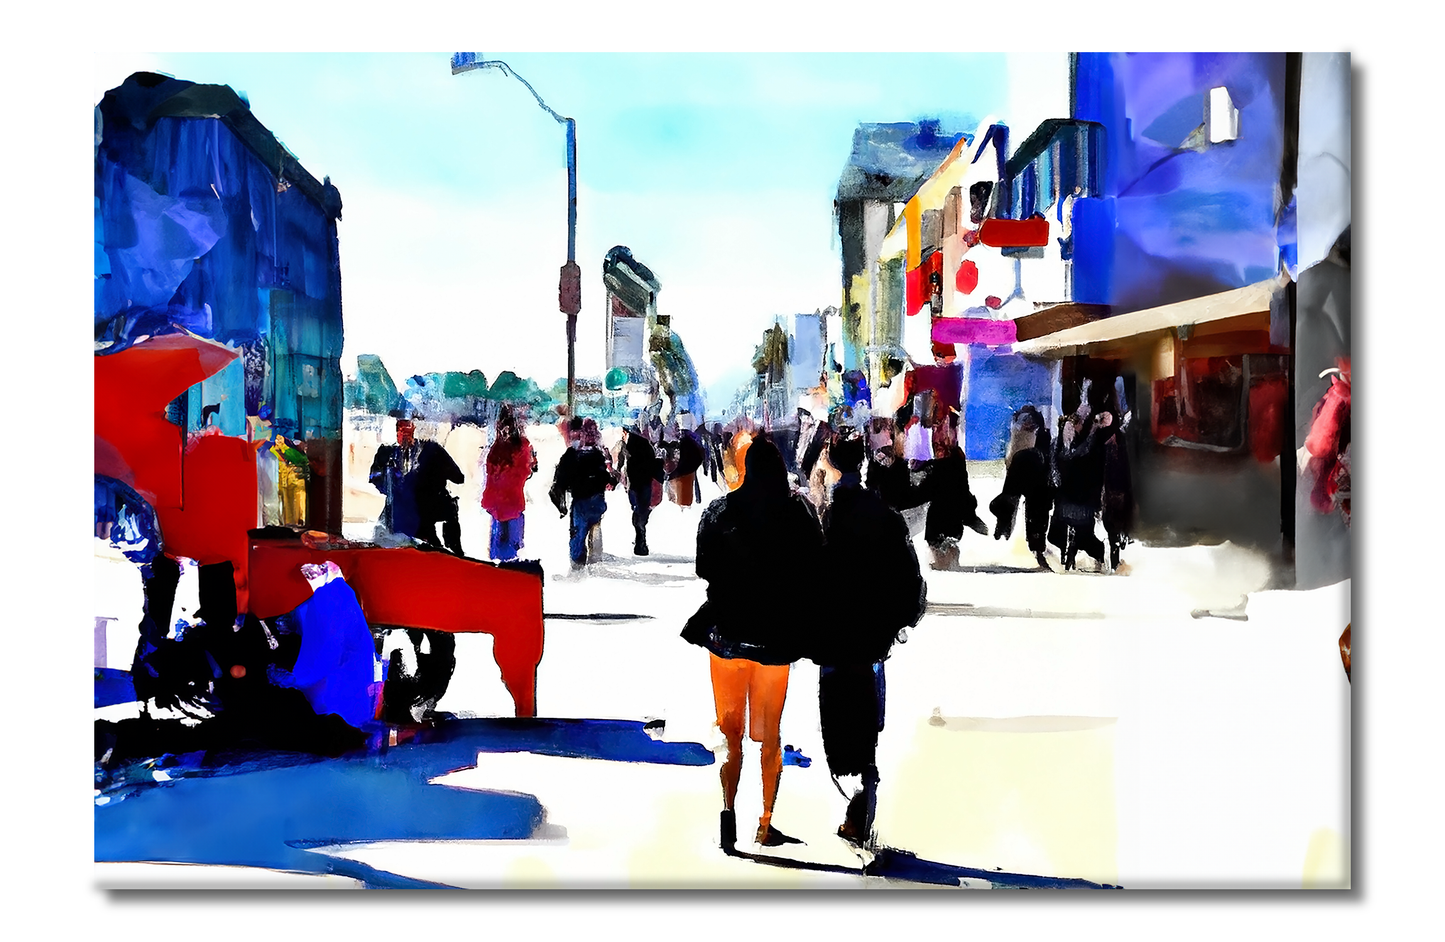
(569, 285)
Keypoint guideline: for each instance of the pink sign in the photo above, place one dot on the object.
(973, 330)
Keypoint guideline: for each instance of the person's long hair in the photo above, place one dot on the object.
(508, 443)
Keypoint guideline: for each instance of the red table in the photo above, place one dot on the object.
(412, 588)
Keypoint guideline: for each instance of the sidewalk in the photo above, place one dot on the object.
(1084, 725)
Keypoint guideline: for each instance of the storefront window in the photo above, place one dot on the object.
(1224, 404)
(1201, 405)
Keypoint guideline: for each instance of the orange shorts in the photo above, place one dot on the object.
(746, 688)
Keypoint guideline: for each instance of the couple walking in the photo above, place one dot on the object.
(770, 565)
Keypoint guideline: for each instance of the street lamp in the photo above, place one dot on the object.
(569, 285)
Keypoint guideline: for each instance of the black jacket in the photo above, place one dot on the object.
(1028, 475)
(1118, 506)
(893, 484)
(762, 559)
(1081, 471)
(951, 505)
(689, 456)
(642, 464)
(582, 473)
(875, 582)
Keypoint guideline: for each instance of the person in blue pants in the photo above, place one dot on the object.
(584, 475)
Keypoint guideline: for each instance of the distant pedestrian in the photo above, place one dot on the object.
(642, 468)
(1118, 509)
(951, 504)
(813, 465)
(760, 550)
(413, 475)
(854, 636)
(888, 474)
(716, 440)
(1081, 486)
(1027, 479)
(683, 476)
(510, 462)
(584, 474)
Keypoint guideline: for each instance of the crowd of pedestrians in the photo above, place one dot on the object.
(1066, 484)
(789, 520)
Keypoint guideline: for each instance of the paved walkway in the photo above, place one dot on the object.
(1175, 724)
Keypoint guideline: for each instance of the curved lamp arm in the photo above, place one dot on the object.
(468, 61)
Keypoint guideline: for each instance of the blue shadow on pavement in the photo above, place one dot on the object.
(616, 740)
(265, 810)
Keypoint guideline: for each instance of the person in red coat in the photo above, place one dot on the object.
(510, 462)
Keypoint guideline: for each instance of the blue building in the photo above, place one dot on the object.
(204, 222)
(1182, 307)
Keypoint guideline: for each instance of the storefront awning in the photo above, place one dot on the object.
(1251, 299)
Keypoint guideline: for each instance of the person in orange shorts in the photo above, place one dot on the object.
(759, 548)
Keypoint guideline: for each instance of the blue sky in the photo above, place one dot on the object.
(717, 170)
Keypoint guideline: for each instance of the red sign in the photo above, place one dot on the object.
(1015, 233)
(569, 289)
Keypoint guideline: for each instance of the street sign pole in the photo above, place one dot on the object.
(571, 309)
(569, 291)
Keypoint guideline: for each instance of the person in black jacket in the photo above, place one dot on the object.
(413, 475)
(1118, 509)
(863, 534)
(759, 547)
(644, 471)
(951, 504)
(682, 477)
(1027, 478)
(585, 474)
(1081, 486)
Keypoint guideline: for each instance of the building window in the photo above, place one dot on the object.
(1201, 404)
(1220, 116)
(978, 197)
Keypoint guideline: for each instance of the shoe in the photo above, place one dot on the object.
(639, 549)
(1043, 562)
(769, 836)
(728, 836)
(978, 526)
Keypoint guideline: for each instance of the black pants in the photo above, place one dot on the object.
(850, 706)
(1036, 521)
(1117, 540)
(434, 671)
(1081, 538)
(851, 701)
(451, 531)
(641, 510)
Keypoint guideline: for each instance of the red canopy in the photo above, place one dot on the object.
(133, 441)
(209, 519)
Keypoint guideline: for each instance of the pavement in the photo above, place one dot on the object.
(1176, 724)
